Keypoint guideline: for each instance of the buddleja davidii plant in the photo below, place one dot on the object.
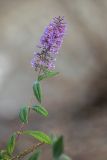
(44, 64)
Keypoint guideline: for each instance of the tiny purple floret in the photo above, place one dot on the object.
(50, 43)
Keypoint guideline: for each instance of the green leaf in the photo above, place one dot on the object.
(58, 147)
(36, 155)
(5, 156)
(47, 74)
(41, 110)
(24, 114)
(37, 90)
(64, 157)
(42, 137)
(11, 144)
(2, 154)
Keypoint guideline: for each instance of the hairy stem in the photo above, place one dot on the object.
(22, 154)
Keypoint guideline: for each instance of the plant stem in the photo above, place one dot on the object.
(20, 129)
(22, 154)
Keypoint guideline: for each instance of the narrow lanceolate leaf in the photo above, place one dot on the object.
(42, 137)
(11, 144)
(36, 155)
(24, 114)
(58, 147)
(41, 110)
(64, 157)
(37, 91)
(47, 74)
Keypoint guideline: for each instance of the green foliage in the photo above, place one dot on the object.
(36, 155)
(37, 91)
(47, 74)
(4, 155)
(11, 144)
(24, 113)
(58, 147)
(42, 137)
(40, 109)
(1, 156)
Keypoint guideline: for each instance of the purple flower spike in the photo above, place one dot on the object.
(50, 44)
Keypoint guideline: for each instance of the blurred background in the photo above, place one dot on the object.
(77, 98)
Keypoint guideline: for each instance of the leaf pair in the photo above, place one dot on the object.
(42, 137)
(24, 112)
(37, 87)
(47, 74)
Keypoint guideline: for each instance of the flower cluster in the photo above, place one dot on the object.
(50, 44)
